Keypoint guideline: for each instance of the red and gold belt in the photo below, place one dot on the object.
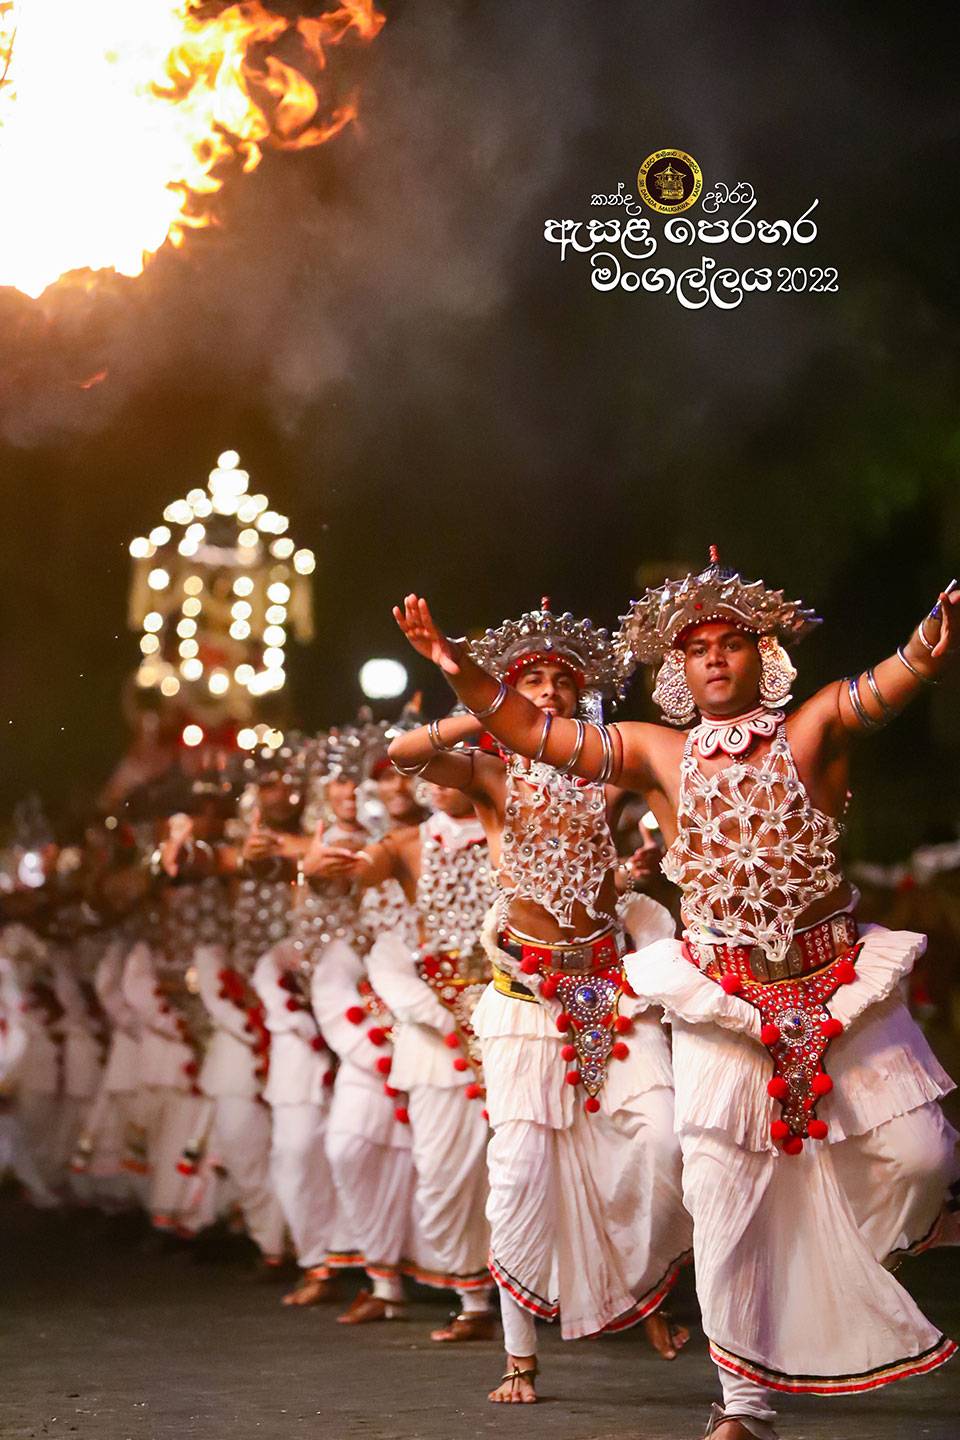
(588, 981)
(458, 981)
(797, 1026)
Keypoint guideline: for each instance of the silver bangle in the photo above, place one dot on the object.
(410, 770)
(547, 722)
(433, 735)
(606, 767)
(924, 679)
(853, 694)
(887, 712)
(577, 747)
(922, 637)
(492, 708)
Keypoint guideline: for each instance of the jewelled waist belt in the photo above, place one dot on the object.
(796, 1026)
(809, 950)
(577, 959)
(587, 980)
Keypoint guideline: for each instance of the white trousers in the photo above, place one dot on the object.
(15, 1156)
(241, 1137)
(450, 1139)
(302, 1180)
(587, 1221)
(375, 1185)
(37, 1112)
(791, 1253)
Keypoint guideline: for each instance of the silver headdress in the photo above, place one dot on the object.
(654, 625)
(587, 650)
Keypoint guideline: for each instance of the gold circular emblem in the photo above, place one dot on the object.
(669, 181)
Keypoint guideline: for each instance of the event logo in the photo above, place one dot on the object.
(669, 181)
(717, 256)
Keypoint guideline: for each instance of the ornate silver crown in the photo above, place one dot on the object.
(586, 648)
(653, 623)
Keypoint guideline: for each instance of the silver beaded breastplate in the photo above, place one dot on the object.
(387, 911)
(556, 846)
(456, 886)
(261, 918)
(327, 912)
(752, 853)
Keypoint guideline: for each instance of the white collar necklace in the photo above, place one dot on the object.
(734, 736)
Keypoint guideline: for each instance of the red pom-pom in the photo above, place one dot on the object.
(777, 1088)
(473, 1091)
(389, 1091)
(293, 1005)
(623, 1024)
(316, 1043)
(185, 1168)
(485, 1114)
(461, 1064)
(779, 1131)
(529, 966)
(355, 1015)
(384, 1065)
(549, 987)
(402, 1114)
(191, 1068)
(817, 1129)
(564, 1022)
(821, 1085)
(831, 1028)
(620, 1051)
(376, 1036)
(591, 1104)
(572, 1077)
(329, 1077)
(568, 1052)
(793, 1146)
(845, 972)
(769, 1034)
(452, 1041)
(730, 984)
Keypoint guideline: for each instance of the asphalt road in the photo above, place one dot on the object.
(103, 1338)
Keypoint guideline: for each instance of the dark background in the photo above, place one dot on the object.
(408, 371)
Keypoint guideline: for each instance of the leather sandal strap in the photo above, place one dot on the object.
(516, 1374)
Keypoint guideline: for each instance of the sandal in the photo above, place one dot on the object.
(478, 1325)
(517, 1374)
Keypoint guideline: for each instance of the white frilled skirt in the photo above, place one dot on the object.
(790, 1251)
(586, 1218)
(450, 1138)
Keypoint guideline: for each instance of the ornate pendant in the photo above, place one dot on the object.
(734, 737)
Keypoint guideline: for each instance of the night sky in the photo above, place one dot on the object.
(408, 371)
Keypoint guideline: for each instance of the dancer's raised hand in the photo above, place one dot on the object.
(425, 636)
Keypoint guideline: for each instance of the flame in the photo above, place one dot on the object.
(119, 119)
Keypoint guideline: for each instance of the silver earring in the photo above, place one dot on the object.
(672, 693)
(777, 672)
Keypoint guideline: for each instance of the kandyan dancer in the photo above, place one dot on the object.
(815, 1153)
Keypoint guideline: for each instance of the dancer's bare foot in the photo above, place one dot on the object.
(666, 1337)
(312, 1290)
(517, 1385)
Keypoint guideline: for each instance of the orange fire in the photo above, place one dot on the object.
(119, 119)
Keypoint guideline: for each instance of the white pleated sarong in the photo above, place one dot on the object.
(790, 1250)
